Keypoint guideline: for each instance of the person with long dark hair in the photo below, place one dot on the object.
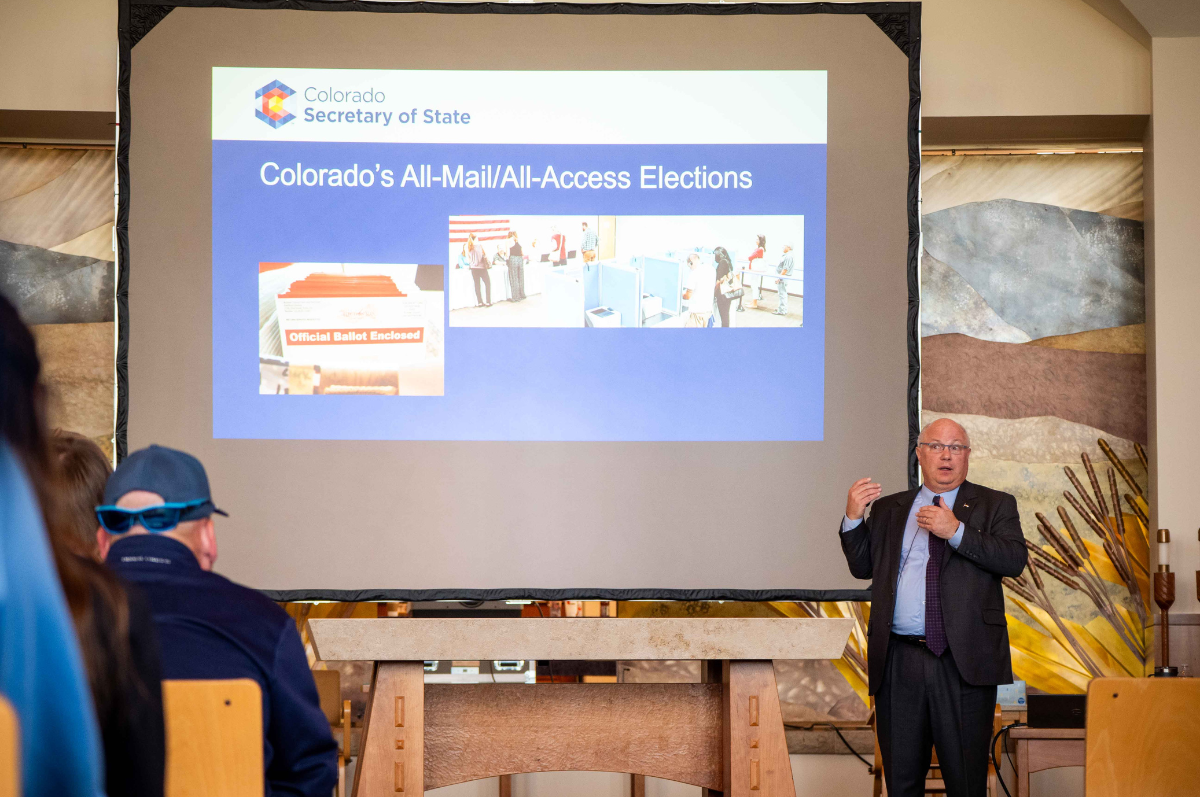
(44, 588)
(725, 277)
(120, 643)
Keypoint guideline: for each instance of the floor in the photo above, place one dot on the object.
(814, 776)
(764, 315)
(531, 312)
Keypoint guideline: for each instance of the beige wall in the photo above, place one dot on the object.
(1173, 293)
(982, 58)
(1029, 58)
(58, 55)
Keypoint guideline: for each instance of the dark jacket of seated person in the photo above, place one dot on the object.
(209, 627)
(212, 628)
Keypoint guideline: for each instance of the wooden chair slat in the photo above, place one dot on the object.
(214, 738)
(10, 750)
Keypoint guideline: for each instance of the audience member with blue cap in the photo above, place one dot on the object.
(157, 530)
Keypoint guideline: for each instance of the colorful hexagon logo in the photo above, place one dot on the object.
(270, 104)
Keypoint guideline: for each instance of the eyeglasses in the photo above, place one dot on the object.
(938, 448)
(156, 519)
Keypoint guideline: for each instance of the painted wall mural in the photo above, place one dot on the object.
(1033, 337)
(56, 266)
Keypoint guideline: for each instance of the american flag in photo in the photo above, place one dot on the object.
(486, 228)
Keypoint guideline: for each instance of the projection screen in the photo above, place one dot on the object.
(497, 301)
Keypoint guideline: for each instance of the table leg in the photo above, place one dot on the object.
(505, 785)
(392, 750)
(637, 786)
(715, 671)
(759, 765)
(1022, 768)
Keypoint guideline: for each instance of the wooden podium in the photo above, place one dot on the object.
(724, 735)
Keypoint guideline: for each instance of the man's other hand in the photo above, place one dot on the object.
(939, 520)
(862, 492)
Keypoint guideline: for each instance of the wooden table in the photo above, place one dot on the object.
(724, 734)
(1046, 748)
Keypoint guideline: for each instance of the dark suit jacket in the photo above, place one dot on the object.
(972, 597)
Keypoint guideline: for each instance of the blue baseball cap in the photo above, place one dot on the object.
(176, 476)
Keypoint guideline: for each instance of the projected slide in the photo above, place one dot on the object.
(457, 255)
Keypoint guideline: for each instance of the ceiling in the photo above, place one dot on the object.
(1166, 18)
(1143, 19)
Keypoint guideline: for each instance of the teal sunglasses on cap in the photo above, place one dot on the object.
(156, 519)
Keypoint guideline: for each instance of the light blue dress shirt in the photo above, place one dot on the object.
(908, 616)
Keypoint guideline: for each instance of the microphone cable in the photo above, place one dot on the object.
(1002, 732)
(834, 728)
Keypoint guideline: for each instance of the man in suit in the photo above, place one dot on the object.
(938, 642)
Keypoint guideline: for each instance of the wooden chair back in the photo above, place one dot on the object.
(1142, 736)
(329, 693)
(214, 738)
(337, 711)
(10, 750)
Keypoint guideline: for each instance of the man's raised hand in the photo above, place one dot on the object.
(862, 492)
(938, 519)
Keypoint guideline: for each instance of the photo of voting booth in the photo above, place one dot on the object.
(634, 292)
(603, 272)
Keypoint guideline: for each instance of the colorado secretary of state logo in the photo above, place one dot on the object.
(272, 111)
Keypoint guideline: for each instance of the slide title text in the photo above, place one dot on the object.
(502, 176)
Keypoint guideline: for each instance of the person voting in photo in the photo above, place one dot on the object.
(558, 243)
(784, 269)
(701, 282)
(754, 285)
(588, 245)
(516, 266)
(477, 261)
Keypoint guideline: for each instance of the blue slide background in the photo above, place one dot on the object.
(518, 384)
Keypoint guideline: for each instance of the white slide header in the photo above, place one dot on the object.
(485, 107)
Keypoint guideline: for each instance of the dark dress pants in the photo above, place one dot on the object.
(481, 275)
(923, 704)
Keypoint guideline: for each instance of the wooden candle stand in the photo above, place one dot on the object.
(1164, 597)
